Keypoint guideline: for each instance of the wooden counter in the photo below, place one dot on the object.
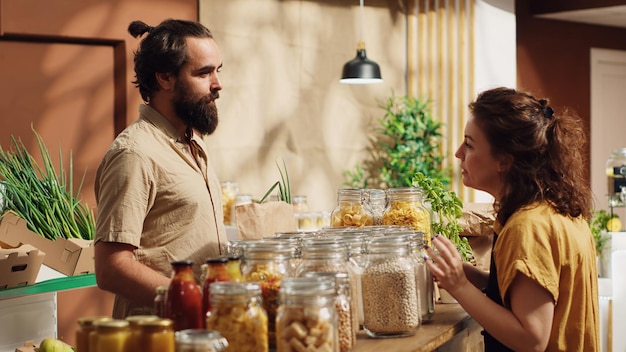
(451, 329)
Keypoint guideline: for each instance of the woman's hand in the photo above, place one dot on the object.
(446, 265)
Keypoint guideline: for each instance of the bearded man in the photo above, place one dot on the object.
(159, 199)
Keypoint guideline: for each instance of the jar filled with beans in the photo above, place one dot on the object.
(237, 314)
(351, 209)
(389, 288)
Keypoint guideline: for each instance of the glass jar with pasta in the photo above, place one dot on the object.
(351, 210)
(406, 208)
(236, 312)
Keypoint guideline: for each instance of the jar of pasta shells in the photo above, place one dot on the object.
(389, 288)
(351, 210)
(307, 319)
(406, 208)
(236, 312)
(267, 262)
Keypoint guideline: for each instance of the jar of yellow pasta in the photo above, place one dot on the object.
(236, 312)
(406, 208)
(351, 210)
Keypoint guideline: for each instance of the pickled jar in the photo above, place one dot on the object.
(229, 192)
(159, 301)
(346, 331)
(85, 327)
(389, 288)
(183, 302)
(406, 208)
(134, 340)
(237, 314)
(156, 335)
(109, 335)
(214, 269)
(376, 199)
(200, 340)
(351, 210)
(233, 267)
(307, 315)
(424, 278)
(267, 262)
(616, 177)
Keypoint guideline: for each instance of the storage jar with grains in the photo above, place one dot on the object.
(406, 208)
(200, 340)
(377, 201)
(351, 210)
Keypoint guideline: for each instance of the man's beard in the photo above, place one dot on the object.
(197, 113)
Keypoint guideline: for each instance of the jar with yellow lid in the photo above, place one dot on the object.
(237, 314)
(85, 327)
(156, 336)
(351, 210)
(109, 335)
(200, 340)
(406, 208)
(135, 331)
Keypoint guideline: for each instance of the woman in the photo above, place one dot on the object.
(541, 291)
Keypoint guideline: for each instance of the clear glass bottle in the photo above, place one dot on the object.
(85, 327)
(424, 278)
(299, 204)
(267, 262)
(616, 177)
(389, 288)
(377, 201)
(200, 340)
(230, 189)
(406, 208)
(215, 269)
(156, 336)
(109, 335)
(183, 303)
(159, 301)
(343, 305)
(236, 312)
(351, 210)
(307, 315)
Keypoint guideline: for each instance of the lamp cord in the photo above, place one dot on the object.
(361, 22)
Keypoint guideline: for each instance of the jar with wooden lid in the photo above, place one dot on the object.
(109, 335)
(156, 336)
(351, 210)
(200, 340)
(85, 327)
(237, 314)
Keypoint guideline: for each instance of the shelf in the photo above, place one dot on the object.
(52, 285)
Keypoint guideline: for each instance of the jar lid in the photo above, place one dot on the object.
(207, 340)
(307, 286)
(181, 263)
(134, 320)
(216, 260)
(88, 321)
(111, 323)
(156, 323)
(162, 289)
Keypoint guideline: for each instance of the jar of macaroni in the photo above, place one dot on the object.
(230, 190)
(351, 210)
(200, 340)
(307, 315)
(85, 327)
(109, 335)
(237, 314)
(267, 262)
(156, 335)
(406, 208)
(389, 288)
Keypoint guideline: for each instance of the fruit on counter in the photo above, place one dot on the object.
(50, 344)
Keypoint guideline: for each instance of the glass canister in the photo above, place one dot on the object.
(345, 322)
(377, 201)
(616, 177)
(267, 262)
(134, 340)
(233, 267)
(351, 210)
(200, 340)
(406, 208)
(307, 315)
(236, 312)
(85, 327)
(183, 302)
(109, 335)
(159, 301)
(214, 269)
(423, 277)
(156, 335)
(300, 204)
(389, 289)
(230, 190)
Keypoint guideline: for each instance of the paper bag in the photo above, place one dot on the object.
(477, 219)
(255, 221)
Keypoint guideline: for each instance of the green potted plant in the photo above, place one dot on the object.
(600, 224)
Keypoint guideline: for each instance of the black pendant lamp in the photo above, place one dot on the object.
(361, 70)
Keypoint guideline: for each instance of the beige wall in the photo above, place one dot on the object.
(281, 96)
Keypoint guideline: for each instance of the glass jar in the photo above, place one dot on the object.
(134, 340)
(299, 204)
(351, 210)
(240, 199)
(345, 322)
(109, 335)
(406, 208)
(616, 177)
(233, 267)
(230, 190)
(267, 262)
(85, 327)
(377, 201)
(389, 289)
(156, 335)
(183, 303)
(214, 269)
(307, 315)
(200, 340)
(236, 312)
(424, 278)
(159, 301)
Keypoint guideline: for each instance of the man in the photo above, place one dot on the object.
(159, 199)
